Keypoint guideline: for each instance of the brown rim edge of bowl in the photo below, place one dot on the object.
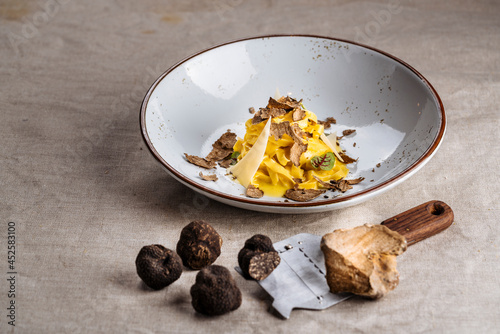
(437, 140)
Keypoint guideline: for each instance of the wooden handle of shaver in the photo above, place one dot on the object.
(421, 222)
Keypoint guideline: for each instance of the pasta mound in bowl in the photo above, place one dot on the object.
(295, 154)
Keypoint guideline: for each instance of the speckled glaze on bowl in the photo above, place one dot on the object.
(398, 116)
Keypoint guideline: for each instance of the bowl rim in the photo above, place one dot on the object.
(260, 202)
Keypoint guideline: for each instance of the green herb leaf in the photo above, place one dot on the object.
(235, 155)
(325, 161)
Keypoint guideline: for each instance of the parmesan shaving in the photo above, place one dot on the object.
(246, 168)
(277, 94)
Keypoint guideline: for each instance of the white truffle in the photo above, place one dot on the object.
(362, 260)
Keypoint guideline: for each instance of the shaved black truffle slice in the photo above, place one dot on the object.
(223, 147)
(298, 114)
(195, 160)
(265, 113)
(254, 192)
(303, 195)
(215, 291)
(258, 258)
(199, 245)
(328, 123)
(158, 266)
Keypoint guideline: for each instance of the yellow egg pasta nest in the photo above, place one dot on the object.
(295, 142)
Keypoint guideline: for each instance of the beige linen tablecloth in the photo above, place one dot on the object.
(82, 194)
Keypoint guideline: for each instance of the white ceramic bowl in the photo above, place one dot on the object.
(398, 116)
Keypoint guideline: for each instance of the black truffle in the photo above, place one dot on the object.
(199, 245)
(158, 266)
(215, 291)
(258, 258)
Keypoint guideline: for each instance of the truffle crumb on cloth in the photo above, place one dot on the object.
(158, 266)
(199, 245)
(215, 291)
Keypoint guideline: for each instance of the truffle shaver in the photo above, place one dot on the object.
(299, 281)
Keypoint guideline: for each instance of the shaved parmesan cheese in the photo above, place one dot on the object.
(246, 168)
(332, 137)
(277, 94)
(331, 142)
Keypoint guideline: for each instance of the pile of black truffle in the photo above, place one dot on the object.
(215, 291)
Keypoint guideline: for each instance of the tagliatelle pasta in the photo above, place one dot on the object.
(296, 155)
